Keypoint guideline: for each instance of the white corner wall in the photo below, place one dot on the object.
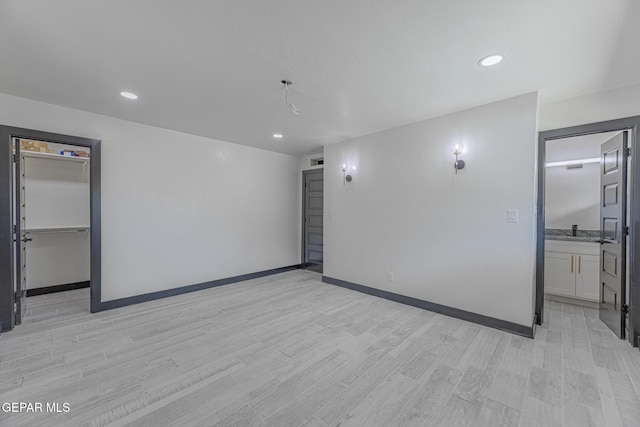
(597, 107)
(305, 161)
(445, 237)
(572, 197)
(178, 209)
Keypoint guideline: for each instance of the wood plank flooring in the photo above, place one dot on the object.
(289, 350)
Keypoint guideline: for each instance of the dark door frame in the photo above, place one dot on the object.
(303, 255)
(629, 123)
(7, 248)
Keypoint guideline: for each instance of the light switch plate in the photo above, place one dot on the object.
(512, 215)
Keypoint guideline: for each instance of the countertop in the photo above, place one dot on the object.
(565, 235)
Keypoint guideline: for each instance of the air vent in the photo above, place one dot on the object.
(575, 166)
(317, 162)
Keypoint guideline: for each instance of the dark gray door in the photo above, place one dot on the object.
(312, 231)
(613, 209)
(21, 237)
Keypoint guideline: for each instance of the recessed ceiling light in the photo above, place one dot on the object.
(277, 135)
(129, 95)
(490, 60)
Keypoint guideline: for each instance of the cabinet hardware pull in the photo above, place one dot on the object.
(579, 263)
(572, 263)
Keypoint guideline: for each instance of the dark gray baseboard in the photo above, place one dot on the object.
(57, 288)
(492, 322)
(137, 299)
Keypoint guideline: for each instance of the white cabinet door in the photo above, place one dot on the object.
(559, 273)
(587, 277)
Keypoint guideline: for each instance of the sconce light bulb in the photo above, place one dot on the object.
(344, 167)
(458, 149)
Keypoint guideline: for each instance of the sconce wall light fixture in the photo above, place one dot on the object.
(458, 164)
(345, 176)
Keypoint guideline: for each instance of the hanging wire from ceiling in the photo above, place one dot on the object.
(287, 84)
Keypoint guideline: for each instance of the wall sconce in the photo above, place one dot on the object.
(459, 164)
(345, 176)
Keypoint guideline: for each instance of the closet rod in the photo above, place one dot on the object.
(56, 230)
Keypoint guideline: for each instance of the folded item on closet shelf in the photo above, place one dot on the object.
(37, 146)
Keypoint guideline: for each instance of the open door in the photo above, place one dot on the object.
(312, 232)
(613, 233)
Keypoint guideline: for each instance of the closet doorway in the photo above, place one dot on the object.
(312, 219)
(53, 218)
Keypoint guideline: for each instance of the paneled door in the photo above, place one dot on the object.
(613, 209)
(312, 228)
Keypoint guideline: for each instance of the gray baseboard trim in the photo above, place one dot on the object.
(57, 288)
(492, 322)
(137, 299)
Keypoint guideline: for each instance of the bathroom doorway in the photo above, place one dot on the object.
(571, 239)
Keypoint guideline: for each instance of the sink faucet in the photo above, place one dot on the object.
(574, 230)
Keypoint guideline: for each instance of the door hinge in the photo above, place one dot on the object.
(16, 296)
(625, 230)
(14, 158)
(15, 229)
(627, 152)
(625, 309)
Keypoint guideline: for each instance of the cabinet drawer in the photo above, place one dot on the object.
(584, 248)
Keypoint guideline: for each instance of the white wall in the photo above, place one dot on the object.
(57, 259)
(444, 236)
(572, 197)
(178, 209)
(597, 107)
(304, 162)
(56, 193)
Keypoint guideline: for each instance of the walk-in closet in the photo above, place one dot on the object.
(53, 213)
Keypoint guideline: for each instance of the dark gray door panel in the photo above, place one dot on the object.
(613, 182)
(312, 230)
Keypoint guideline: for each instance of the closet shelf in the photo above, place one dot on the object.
(54, 157)
(56, 230)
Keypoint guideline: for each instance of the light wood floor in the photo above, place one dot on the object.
(289, 350)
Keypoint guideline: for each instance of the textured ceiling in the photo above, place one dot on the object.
(213, 68)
